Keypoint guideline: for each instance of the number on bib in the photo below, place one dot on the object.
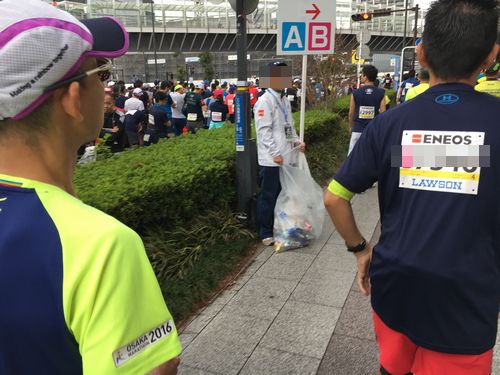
(217, 116)
(366, 113)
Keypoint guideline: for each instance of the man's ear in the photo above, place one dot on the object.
(421, 56)
(70, 101)
(492, 56)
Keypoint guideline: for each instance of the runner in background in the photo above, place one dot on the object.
(194, 106)
(491, 85)
(229, 101)
(178, 119)
(366, 103)
(218, 110)
(413, 92)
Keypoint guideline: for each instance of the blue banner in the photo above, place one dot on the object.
(239, 114)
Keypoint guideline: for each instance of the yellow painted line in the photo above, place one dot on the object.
(439, 174)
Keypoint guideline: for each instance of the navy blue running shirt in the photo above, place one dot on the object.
(367, 99)
(435, 272)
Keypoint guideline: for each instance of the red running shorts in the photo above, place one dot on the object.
(400, 356)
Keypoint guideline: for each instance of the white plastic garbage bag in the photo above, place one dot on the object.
(89, 156)
(299, 211)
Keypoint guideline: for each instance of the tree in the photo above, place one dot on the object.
(206, 61)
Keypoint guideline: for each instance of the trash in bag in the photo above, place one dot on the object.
(299, 210)
(89, 156)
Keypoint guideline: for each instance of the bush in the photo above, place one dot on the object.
(176, 180)
(178, 195)
(168, 183)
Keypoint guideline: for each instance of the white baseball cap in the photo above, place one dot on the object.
(41, 45)
(200, 86)
(137, 91)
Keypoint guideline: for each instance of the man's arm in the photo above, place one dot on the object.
(352, 109)
(264, 127)
(383, 106)
(168, 368)
(342, 216)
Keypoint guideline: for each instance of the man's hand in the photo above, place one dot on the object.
(278, 159)
(115, 129)
(363, 260)
(302, 146)
(168, 368)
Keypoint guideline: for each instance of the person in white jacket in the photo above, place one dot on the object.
(276, 138)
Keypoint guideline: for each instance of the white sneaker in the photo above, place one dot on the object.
(269, 241)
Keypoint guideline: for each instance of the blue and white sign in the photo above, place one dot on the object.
(306, 27)
(240, 123)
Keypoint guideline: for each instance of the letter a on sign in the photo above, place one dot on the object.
(320, 36)
(294, 36)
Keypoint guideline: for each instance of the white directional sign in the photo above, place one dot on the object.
(306, 27)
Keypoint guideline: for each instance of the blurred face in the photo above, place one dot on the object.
(109, 104)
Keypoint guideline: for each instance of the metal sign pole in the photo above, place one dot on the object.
(303, 98)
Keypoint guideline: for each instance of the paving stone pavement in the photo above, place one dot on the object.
(298, 312)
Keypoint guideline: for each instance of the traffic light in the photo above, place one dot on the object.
(366, 16)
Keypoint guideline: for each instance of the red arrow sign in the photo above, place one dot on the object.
(314, 11)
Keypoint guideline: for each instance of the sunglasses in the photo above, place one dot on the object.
(103, 70)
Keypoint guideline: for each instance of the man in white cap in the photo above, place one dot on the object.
(79, 295)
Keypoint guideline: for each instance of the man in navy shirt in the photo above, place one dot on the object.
(366, 103)
(158, 119)
(407, 84)
(434, 276)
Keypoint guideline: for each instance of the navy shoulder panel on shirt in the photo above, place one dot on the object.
(34, 338)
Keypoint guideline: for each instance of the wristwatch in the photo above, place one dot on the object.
(358, 248)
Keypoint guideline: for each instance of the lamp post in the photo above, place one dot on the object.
(154, 35)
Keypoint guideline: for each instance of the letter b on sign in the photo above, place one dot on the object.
(320, 36)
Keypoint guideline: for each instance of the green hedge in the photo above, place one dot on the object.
(169, 183)
(176, 180)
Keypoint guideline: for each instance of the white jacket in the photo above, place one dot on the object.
(272, 115)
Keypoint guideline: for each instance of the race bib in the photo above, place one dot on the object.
(192, 117)
(291, 98)
(151, 119)
(441, 161)
(366, 113)
(217, 116)
(206, 114)
(147, 137)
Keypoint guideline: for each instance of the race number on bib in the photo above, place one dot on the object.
(217, 116)
(291, 98)
(151, 119)
(442, 161)
(192, 117)
(366, 113)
